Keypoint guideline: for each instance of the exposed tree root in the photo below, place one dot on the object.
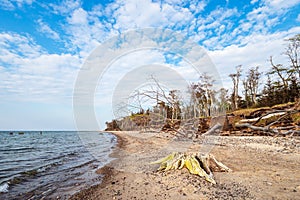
(199, 164)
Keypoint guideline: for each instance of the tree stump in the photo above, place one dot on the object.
(197, 163)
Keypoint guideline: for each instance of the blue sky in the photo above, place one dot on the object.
(43, 46)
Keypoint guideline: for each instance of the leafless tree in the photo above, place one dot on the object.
(251, 86)
(203, 96)
(282, 72)
(235, 79)
(224, 104)
(162, 101)
(292, 52)
(246, 92)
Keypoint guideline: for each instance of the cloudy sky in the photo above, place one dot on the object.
(43, 46)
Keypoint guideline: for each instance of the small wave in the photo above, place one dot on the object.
(4, 187)
(23, 176)
(52, 167)
(49, 166)
(32, 172)
(19, 149)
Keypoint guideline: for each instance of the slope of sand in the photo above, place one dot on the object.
(263, 168)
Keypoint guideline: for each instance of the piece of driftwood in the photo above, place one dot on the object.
(268, 130)
(272, 127)
(266, 116)
(213, 130)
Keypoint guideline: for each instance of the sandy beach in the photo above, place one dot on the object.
(263, 168)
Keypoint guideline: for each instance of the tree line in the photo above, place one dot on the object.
(281, 84)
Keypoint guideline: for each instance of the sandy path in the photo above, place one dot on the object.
(263, 168)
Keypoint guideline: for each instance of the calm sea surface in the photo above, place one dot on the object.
(35, 165)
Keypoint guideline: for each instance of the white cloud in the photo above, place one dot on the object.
(20, 3)
(197, 6)
(17, 45)
(214, 30)
(44, 28)
(298, 18)
(253, 1)
(255, 51)
(7, 5)
(268, 14)
(141, 14)
(78, 16)
(224, 27)
(30, 74)
(14, 4)
(88, 28)
(281, 4)
(135, 14)
(85, 30)
(65, 7)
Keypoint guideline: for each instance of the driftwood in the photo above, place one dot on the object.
(271, 129)
(213, 129)
(183, 133)
(266, 116)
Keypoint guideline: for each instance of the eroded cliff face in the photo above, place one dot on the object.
(283, 119)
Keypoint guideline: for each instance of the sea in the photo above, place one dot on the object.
(51, 164)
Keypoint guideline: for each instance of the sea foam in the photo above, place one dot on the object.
(4, 187)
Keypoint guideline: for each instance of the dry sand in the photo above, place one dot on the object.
(263, 168)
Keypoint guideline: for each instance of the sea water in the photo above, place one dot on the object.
(51, 164)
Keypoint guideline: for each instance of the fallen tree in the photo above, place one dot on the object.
(271, 131)
(273, 125)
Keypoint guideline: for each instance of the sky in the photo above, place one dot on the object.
(44, 45)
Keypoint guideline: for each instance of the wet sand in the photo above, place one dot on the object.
(263, 168)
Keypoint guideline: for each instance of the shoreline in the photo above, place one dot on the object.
(130, 176)
(105, 171)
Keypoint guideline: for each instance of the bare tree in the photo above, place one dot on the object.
(282, 72)
(224, 104)
(284, 75)
(235, 79)
(207, 82)
(198, 99)
(161, 103)
(251, 86)
(246, 92)
(203, 96)
(292, 52)
(175, 104)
